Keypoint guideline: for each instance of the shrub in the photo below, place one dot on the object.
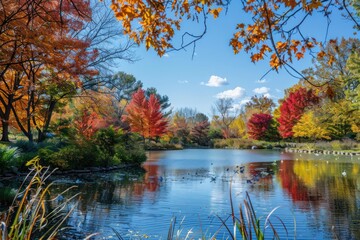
(26, 146)
(215, 133)
(74, 157)
(105, 140)
(135, 155)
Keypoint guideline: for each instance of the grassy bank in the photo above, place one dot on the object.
(238, 143)
(345, 145)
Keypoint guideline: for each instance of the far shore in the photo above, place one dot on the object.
(327, 152)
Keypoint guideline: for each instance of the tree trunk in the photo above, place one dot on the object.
(5, 119)
(5, 131)
(42, 132)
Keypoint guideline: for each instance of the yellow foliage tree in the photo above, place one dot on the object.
(310, 127)
(238, 126)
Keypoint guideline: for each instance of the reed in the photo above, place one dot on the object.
(247, 224)
(29, 216)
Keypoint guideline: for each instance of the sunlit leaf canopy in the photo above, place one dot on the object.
(275, 31)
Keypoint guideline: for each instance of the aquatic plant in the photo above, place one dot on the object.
(29, 215)
(248, 224)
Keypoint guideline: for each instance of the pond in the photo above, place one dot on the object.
(318, 195)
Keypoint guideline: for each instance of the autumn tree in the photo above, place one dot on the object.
(274, 32)
(352, 93)
(292, 108)
(238, 126)
(261, 104)
(180, 127)
(144, 115)
(184, 121)
(200, 130)
(86, 124)
(309, 126)
(223, 115)
(332, 68)
(261, 127)
(199, 133)
(118, 88)
(163, 100)
(37, 43)
(337, 109)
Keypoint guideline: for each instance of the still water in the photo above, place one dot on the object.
(318, 196)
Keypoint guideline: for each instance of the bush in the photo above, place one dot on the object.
(105, 140)
(215, 133)
(136, 155)
(74, 157)
(26, 146)
(106, 148)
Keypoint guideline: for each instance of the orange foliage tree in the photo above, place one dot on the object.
(86, 124)
(274, 31)
(144, 115)
(39, 53)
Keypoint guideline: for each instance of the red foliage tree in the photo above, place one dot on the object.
(135, 113)
(199, 133)
(293, 108)
(258, 125)
(157, 124)
(86, 124)
(144, 115)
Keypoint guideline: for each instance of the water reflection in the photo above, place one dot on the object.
(196, 184)
(323, 190)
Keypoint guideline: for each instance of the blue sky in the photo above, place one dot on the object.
(215, 71)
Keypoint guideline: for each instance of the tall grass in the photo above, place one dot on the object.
(29, 216)
(247, 224)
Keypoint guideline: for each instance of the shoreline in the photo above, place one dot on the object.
(10, 174)
(325, 152)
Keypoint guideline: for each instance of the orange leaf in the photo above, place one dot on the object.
(274, 61)
(331, 60)
(198, 9)
(215, 12)
(299, 55)
(321, 54)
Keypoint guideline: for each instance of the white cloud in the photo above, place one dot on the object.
(277, 90)
(262, 90)
(183, 81)
(166, 55)
(263, 80)
(267, 95)
(216, 81)
(244, 101)
(235, 93)
(238, 106)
